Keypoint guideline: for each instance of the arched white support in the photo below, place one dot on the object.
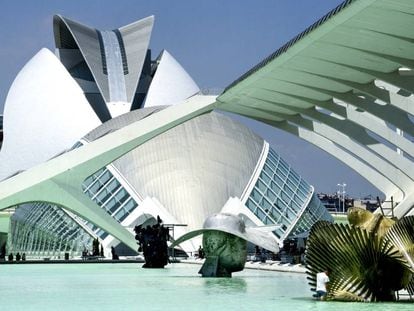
(59, 180)
(377, 162)
(382, 183)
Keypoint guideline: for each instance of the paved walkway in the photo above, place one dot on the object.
(268, 265)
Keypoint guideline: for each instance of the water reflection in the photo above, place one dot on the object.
(177, 288)
(231, 285)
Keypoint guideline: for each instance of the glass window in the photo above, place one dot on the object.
(102, 196)
(105, 176)
(305, 185)
(291, 183)
(251, 205)
(121, 215)
(295, 206)
(285, 197)
(130, 205)
(283, 165)
(121, 195)
(275, 213)
(256, 195)
(94, 188)
(114, 184)
(288, 191)
(295, 177)
(279, 179)
(265, 177)
(281, 172)
(275, 187)
(125, 210)
(290, 214)
(112, 205)
(270, 195)
(92, 178)
(271, 165)
(266, 205)
(268, 169)
(273, 155)
(279, 204)
(299, 197)
(261, 186)
(260, 214)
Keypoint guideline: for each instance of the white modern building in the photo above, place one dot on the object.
(103, 155)
(98, 83)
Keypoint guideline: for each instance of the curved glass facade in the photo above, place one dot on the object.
(106, 191)
(45, 230)
(313, 212)
(282, 197)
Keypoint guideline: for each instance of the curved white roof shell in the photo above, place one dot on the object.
(45, 113)
(171, 83)
(190, 169)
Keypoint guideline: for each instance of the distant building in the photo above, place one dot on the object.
(334, 203)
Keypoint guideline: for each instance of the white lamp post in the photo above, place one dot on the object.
(343, 185)
(339, 200)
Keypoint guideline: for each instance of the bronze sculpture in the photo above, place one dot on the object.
(370, 259)
(152, 241)
(225, 239)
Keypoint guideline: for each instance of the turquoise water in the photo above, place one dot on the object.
(178, 287)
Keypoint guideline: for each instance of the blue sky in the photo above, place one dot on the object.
(216, 41)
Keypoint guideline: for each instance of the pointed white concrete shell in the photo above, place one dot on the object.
(171, 83)
(136, 37)
(45, 113)
(99, 52)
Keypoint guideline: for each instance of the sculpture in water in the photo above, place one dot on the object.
(152, 241)
(225, 239)
(370, 259)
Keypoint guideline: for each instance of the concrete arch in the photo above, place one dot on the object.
(359, 118)
(59, 180)
(378, 180)
(389, 113)
(356, 133)
(377, 163)
(330, 131)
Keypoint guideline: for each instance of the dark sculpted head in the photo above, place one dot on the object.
(225, 239)
(230, 249)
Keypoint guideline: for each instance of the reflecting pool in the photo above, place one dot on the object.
(178, 287)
